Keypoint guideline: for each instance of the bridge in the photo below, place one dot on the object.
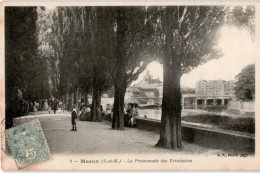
(194, 101)
(189, 101)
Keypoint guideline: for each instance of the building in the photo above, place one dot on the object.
(143, 95)
(214, 92)
(133, 92)
(201, 88)
(149, 82)
(148, 91)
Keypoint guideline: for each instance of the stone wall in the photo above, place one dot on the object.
(212, 138)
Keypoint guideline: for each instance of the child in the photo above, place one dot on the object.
(73, 118)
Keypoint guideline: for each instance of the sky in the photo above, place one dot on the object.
(238, 51)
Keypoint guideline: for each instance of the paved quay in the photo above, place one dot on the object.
(99, 138)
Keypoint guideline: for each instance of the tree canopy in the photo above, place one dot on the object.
(245, 85)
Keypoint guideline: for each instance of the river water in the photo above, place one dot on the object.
(150, 113)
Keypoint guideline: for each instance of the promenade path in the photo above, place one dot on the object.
(99, 138)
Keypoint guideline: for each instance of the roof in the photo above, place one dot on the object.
(155, 81)
(134, 89)
(150, 89)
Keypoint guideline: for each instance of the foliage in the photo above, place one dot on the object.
(46, 51)
(23, 73)
(245, 85)
(23, 66)
(188, 90)
(139, 40)
(242, 17)
(190, 33)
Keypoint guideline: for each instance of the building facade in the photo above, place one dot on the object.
(214, 92)
(148, 91)
(148, 82)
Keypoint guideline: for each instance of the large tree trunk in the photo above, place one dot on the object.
(86, 97)
(170, 132)
(96, 99)
(76, 100)
(96, 103)
(70, 99)
(118, 109)
(74, 97)
(67, 99)
(120, 81)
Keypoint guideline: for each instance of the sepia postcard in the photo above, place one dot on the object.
(129, 86)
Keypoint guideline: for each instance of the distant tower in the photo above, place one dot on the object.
(148, 77)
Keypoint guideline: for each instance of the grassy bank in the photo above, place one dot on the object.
(245, 124)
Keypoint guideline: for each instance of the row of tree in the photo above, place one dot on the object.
(90, 55)
(23, 71)
(95, 48)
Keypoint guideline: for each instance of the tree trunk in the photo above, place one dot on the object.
(67, 99)
(86, 97)
(96, 99)
(75, 102)
(118, 109)
(170, 132)
(96, 103)
(76, 98)
(70, 100)
(120, 81)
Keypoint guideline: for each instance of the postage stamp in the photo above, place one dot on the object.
(28, 144)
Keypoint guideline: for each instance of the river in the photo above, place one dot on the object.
(150, 113)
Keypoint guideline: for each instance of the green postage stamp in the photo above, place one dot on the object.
(28, 144)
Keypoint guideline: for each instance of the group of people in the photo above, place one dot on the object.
(83, 112)
(39, 105)
(55, 105)
(24, 106)
(131, 113)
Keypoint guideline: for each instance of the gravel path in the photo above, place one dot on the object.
(98, 138)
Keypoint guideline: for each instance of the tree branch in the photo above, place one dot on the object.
(183, 15)
(195, 21)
